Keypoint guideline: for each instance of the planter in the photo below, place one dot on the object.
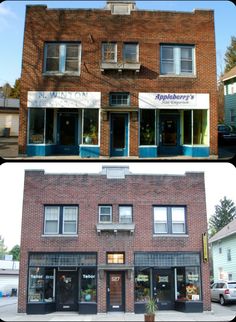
(149, 317)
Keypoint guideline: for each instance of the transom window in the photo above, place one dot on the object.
(60, 220)
(109, 52)
(125, 214)
(169, 220)
(62, 58)
(119, 99)
(105, 214)
(115, 258)
(177, 60)
(130, 53)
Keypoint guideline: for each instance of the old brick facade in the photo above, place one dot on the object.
(178, 253)
(193, 127)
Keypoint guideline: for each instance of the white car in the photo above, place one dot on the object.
(223, 292)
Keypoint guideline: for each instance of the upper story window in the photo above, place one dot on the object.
(60, 220)
(105, 214)
(228, 254)
(115, 258)
(130, 53)
(62, 58)
(125, 214)
(119, 99)
(177, 60)
(109, 52)
(169, 220)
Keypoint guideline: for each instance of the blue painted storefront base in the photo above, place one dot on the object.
(41, 150)
(196, 151)
(89, 151)
(148, 151)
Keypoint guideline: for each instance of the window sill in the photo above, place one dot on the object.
(115, 227)
(171, 235)
(60, 235)
(61, 74)
(177, 76)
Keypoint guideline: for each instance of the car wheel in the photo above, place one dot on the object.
(222, 300)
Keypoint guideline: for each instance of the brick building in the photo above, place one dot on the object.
(107, 241)
(118, 81)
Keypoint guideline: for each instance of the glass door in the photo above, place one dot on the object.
(169, 142)
(119, 134)
(115, 291)
(163, 288)
(67, 291)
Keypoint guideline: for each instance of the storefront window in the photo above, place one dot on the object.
(195, 127)
(147, 127)
(88, 291)
(36, 126)
(90, 132)
(188, 284)
(41, 285)
(142, 285)
(49, 126)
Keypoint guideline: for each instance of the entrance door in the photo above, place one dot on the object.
(67, 291)
(169, 135)
(68, 133)
(164, 288)
(115, 291)
(119, 135)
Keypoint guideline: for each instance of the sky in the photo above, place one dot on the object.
(220, 181)
(12, 15)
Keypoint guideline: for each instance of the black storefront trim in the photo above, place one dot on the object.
(87, 308)
(40, 308)
(189, 306)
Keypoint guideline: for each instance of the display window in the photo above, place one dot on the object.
(147, 127)
(88, 290)
(142, 285)
(188, 284)
(195, 127)
(90, 126)
(41, 126)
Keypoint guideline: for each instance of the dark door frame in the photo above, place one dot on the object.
(122, 151)
(170, 303)
(67, 306)
(122, 307)
(169, 149)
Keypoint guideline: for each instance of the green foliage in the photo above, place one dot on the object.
(225, 212)
(3, 248)
(15, 91)
(15, 251)
(151, 306)
(230, 55)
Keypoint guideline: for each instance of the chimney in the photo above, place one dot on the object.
(121, 7)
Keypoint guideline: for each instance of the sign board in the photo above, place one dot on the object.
(173, 101)
(64, 99)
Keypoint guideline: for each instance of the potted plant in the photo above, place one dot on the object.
(151, 308)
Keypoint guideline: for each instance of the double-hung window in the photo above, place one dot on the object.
(109, 52)
(169, 220)
(105, 214)
(62, 58)
(130, 53)
(125, 214)
(60, 220)
(119, 99)
(177, 60)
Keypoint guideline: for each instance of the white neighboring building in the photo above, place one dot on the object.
(9, 116)
(9, 276)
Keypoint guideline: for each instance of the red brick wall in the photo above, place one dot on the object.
(142, 191)
(148, 28)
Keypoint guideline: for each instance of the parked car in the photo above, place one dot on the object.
(223, 292)
(226, 134)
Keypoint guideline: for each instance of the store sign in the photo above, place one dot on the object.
(88, 276)
(142, 278)
(163, 279)
(193, 277)
(173, 101)
(64, 99)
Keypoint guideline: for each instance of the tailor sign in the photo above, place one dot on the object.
(64, 99)
(173, 101)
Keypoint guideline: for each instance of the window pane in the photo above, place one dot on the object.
(186, 53)
(109, 52)
(130, 53)
(147, 127)
(167, 67)
(168, 53)
(52, 213)
(52, 65)
(52, 57)
(51, 227)
(36, 126)
(49, 282)
(178, 214)
(51, 220)
(118, 258)
(36, 285)
(71, 66)
(119, 99)
(160, 214)
(88, 285)
(193, 286)
(105, 210)
(181, 284)
(53, 50)
(125, 214)
(186, 67)
(142, 285)
(178, 228)
(70, 213)
(72, 58)
(70, 227)
(200, 127)
(105, 218)
(187, 127)
(90, 135)
(49, 125)
(160, 228)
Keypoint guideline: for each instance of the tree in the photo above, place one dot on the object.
(6, 90)
(230, 55)
(3, 248)
(15, 251)
(225, 212)
(15, 91)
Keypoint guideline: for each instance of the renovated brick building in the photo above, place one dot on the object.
(108, 241)
(118, 81)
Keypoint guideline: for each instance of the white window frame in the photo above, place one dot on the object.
(160, 222)
(100, 214)
(115, 52)
(62, 59)
(177, 60)
(131, 214)
(137, 52)
(63, 221)
(178, 221)
(45, 220)
(168, 222)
